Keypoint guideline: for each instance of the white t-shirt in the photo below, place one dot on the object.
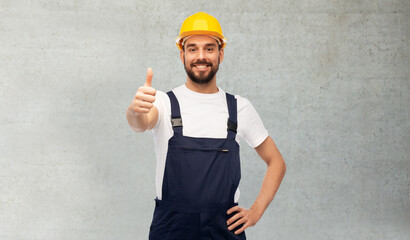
(203, 115)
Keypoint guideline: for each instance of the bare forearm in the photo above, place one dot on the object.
(273, 177)
(138, 122)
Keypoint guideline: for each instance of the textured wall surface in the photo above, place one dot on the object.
(330, 80)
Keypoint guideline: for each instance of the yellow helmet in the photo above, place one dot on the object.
(200, 24)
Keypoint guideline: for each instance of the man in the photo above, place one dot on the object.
(197, 128)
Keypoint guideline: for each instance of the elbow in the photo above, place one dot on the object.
(282, 163)
(137, 130)
(284, 166)
(278, 163)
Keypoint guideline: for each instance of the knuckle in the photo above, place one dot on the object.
(144, 110)
(138, 95)
(150, 99)
(137, 102)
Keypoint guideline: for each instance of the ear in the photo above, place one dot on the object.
(221, 55)
(181, 55)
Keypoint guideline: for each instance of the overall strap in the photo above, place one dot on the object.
(176, 120)
(232, 120)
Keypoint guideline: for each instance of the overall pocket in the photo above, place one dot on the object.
(198, 176)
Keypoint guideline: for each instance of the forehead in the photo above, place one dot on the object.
(201, 40)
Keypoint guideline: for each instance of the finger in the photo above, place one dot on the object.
(141, 110)
(142, 104)
(237, 223)
(240, 230)
(147, 90)
(234, 218)
(233, 209)
(149, 78)
(145, 97)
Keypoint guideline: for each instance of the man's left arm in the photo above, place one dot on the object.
(275, 172)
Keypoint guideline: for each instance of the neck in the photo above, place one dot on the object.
(202, 88)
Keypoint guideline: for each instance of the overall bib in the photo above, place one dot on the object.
(200, 179)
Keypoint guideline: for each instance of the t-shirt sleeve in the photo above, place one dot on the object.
(160, 101)
(250, 124)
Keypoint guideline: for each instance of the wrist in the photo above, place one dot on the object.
(257, 210)
(131, 111)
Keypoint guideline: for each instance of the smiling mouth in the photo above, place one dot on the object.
(201, 66)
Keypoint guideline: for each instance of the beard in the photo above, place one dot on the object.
(201, 77)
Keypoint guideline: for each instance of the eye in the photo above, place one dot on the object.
(191, 49)
(210, 49)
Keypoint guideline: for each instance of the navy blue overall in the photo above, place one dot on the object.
(200, 179)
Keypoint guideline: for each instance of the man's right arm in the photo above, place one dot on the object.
(140, 122)
(142, 114)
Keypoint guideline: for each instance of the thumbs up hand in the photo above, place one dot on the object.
(145, 96)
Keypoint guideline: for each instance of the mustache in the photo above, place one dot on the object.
(202, 62)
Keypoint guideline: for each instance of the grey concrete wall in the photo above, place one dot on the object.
(330, 79)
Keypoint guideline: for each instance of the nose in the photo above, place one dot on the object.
(201, 54)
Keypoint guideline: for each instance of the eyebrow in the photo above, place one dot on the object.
(206, 45)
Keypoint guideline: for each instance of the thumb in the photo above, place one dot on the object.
(149, 78)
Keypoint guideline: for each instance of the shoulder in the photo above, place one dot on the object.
(245, 108)
(243, 103)
(161, 93)
(179, 90)
(164, 98)
(250, 125)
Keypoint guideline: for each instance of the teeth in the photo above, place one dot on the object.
(201, 66)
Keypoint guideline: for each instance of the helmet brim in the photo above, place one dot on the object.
(181, 37)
